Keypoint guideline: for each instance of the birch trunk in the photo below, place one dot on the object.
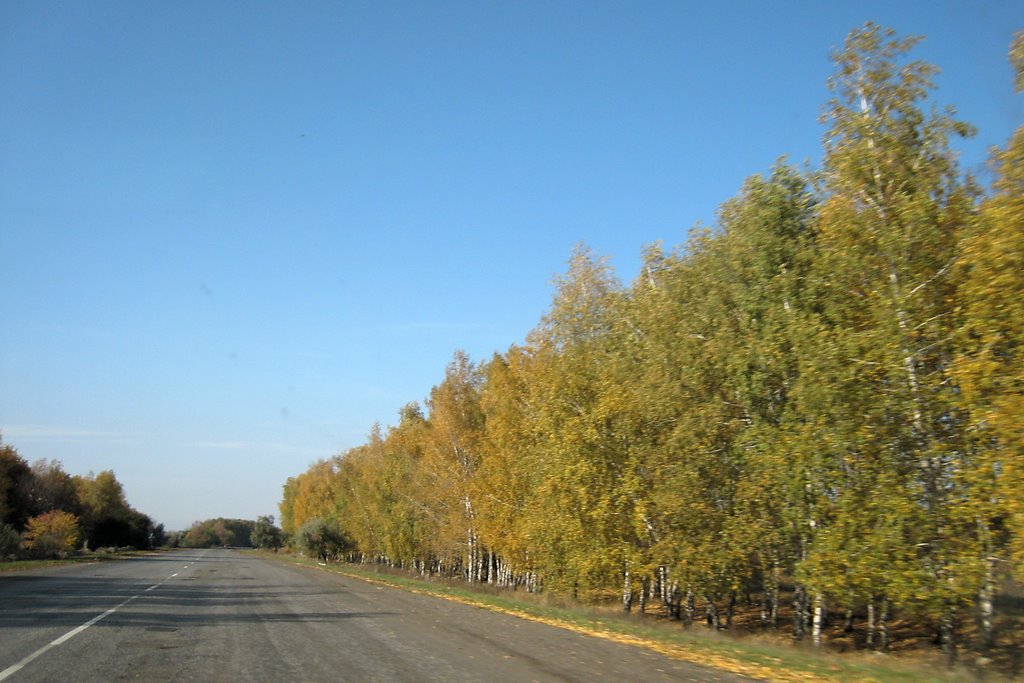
(883, 626)
(870, 639)
(627, 591)
(711, 615)
(947, 631)
(986, 605)
(674, 599)
(819, 619)
(773, 589)
(766, 598)
(663, 583)
(799, 613)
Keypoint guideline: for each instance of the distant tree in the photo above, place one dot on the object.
(157, 536)
(323, 538)
(265, 534)
(207, 534)
(51, 533)
(213, 532)
(175, 539)
(241, 530)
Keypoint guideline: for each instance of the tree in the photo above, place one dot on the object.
(10, 541)
(578, 517)
(265, 534)
(105, 511)
(507, 475)
(219, 531)
(314, 493)
(451, 458)
(990, 369)
(158, 536)
(991, 365)
(877, 391)
(51, 534)
(51, 488)
(323, 538)
(15, 478)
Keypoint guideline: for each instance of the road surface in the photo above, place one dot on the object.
(225, 615)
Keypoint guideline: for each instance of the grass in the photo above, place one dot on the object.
(7, 566)
(754, 656)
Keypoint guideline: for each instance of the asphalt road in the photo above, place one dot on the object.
(224, 615)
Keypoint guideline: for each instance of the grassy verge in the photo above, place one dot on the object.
(755, 657)
(26, 565)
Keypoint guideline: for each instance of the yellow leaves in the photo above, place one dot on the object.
(51, 533)
(1017, 59)
(314, 495)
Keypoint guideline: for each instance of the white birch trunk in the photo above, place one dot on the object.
(711, 613)
(627, 591)
(883, 626)
(818, 619)
(870, 639)
(986, 605)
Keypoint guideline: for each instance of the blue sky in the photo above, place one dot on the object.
(235, 235)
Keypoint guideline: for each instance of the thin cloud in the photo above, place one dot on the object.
(52, 433)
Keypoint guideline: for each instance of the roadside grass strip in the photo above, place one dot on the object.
(91, 558)
(765, 662)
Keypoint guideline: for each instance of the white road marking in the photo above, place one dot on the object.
(15, 668)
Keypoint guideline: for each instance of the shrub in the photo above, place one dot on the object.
(51, 534)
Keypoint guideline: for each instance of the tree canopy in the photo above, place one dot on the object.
(38, 499)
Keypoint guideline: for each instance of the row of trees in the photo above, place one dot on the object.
(823, 393)
(46, 511)
(211, 533)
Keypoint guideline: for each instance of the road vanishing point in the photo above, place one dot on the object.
(227, 615)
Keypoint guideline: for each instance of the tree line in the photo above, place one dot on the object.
(46, 512)
(817, 401)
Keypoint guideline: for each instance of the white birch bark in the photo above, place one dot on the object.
(818, 619)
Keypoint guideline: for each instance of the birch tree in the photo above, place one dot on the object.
(509, 473)
(990, 369)
(580, 521)
(450, 462)
(893, 207)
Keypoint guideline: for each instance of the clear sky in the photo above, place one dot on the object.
(235, 235)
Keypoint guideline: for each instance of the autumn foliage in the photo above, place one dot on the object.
(816, 402)
(51, 534)
(38, 501)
